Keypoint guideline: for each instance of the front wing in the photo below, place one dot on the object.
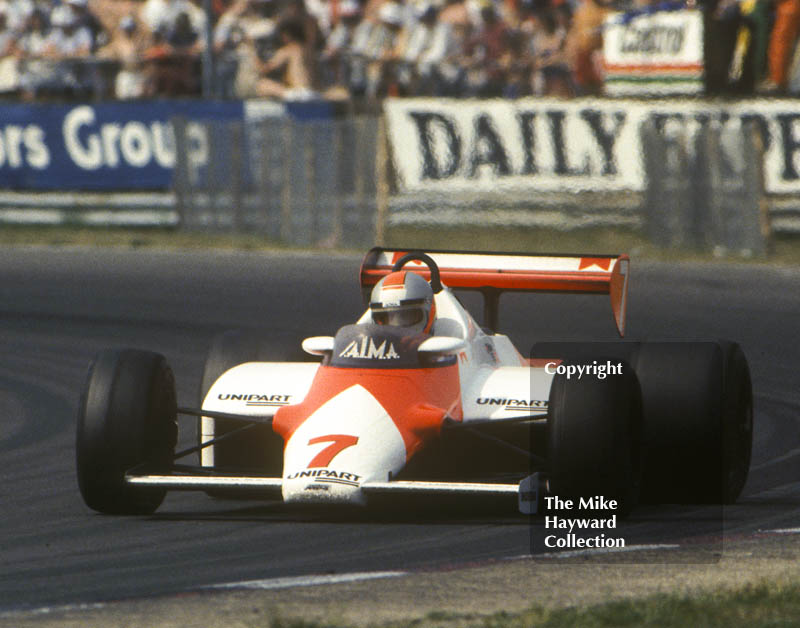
(270, 486)
(192, 478)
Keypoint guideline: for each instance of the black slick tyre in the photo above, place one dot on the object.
(699, 421)
(594, 438)
(258, 448)
(737, 422)
(697, 402)
(127, 418)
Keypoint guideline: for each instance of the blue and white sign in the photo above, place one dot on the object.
(112, 146)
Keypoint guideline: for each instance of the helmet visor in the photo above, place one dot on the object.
(398, 318)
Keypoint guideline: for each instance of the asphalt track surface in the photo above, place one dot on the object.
(59, 307)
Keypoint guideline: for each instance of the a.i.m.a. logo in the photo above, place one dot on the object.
(367, 349)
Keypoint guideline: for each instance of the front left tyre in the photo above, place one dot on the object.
(127, 418)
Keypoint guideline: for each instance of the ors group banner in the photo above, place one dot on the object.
(553, 145)
(112, 146)
(653, 53)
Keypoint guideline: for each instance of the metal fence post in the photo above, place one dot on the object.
(382, 183)
(736, 190)
(180, 173)
(667, 197)
(338, 197)
(286, 184)
(754, 220)
(236, 173)
(310, 184)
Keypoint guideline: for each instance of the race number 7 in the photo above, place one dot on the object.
(338, 443)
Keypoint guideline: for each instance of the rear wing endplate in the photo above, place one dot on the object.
(495, 273)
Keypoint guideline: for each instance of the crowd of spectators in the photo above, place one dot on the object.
(343, 49)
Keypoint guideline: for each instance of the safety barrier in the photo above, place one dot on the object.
(679, 171)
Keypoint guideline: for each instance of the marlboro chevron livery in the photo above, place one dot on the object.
(416, 398)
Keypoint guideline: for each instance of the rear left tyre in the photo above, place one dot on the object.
(127, 418)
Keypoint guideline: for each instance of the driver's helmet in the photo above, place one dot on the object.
(403, 299)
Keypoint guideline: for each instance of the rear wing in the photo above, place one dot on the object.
(495, 273)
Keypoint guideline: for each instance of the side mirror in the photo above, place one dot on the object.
(318, 345)
(441, 346)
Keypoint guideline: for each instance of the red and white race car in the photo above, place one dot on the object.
(452, 408)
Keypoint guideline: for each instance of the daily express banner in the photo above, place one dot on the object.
(113, 146)
(552, 145)
(653, 53)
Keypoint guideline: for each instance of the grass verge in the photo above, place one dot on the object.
(784, 249)
(766, 604)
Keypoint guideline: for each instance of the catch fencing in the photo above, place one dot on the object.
(328, 182)
(705, 190)
(305, 183)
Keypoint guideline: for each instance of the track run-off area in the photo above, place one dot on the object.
(58, 307)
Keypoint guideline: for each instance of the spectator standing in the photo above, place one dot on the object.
(171, 61)
(295, 11)
(382, 47)
(84, 17)
(584, 46)
(442, 66)
(67, 37)
(244, 36)
(782, 43)
(70, 44)
(372, 53)
(748, 60)
(183, 38)
(227, 37)
(260, 26)
(414, 42)
(488, 54)
(292, 61)
(720, 31)
(455, 12)
(551, 74)
(126, 49)
(325, 14)
(160, 15)
(19, 11)
(335, 57)
(9, 76)
(198, 18)
(36, 71)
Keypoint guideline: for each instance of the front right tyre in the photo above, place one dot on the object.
(127, 418)
(594, 430)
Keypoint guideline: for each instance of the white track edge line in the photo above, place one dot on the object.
(609, 550)
(598, 550)
(307, 581)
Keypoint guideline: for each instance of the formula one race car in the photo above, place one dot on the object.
(416, 398)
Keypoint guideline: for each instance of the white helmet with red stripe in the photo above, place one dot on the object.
(403, 299)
